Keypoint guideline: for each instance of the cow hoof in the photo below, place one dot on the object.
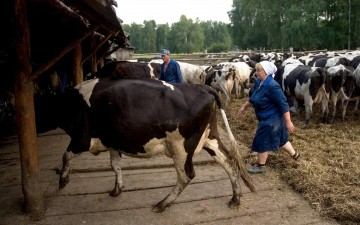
(115, 192)
(234, 203)
(159, 208)
(63, 182)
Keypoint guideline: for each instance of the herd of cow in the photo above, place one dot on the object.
(124, 109)
(323, 78)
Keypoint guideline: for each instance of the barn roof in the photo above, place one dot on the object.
(55, 25)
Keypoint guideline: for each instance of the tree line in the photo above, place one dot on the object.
(185, 36)
(257, 24)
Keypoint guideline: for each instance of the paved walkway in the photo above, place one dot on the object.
(85, 199)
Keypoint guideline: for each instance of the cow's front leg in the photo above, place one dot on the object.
(65, 171)
(115, 158)
(185, 172)
(238, 88)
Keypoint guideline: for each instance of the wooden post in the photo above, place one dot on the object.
(24, 103)
(76, 66)
(101, 63)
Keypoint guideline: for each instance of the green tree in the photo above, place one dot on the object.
(216, 33)
(186, 36)
(136, 36)
(295, 23)
(162, 36)
(149, 32)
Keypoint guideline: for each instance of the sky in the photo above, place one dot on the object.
(169, 11)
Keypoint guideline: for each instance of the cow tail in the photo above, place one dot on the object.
(238, 161)
(216, 95)
(344, 94)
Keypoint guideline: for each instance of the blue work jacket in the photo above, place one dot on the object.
(172, 74)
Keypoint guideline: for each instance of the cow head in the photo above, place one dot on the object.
(210, 77)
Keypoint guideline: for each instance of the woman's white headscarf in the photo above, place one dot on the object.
(269, 67)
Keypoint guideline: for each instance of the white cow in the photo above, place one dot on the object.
(242, 77)
(192, 74)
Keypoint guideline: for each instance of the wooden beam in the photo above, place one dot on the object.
(107, 53)
(97, 13)
(24, 104)
(69, 12)
(67, 49)
(98, 46)
(76, 66)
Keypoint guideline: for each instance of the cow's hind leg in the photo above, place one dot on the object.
(212, 147)
(65, 171)
(185, 173)
(308, 113)
(115, 158)
(344, 106)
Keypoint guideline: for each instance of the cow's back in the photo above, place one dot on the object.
(126, 113)
(126, 70)
(299, 74)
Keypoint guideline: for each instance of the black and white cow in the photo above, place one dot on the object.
(305, 84)
(356, 93)
(317, 61)
(224, 76)
(355, 62)
(128, 69)
(222, 79)
(342, 86)
(142, 118)
(337, 60)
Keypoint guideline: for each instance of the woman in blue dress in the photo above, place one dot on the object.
(272, 112)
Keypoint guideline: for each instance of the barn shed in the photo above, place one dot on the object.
(39, 36)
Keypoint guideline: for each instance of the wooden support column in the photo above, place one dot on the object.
(24, 103)
(101, 63)
(76, 66)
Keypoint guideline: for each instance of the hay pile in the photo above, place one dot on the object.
(328, 174)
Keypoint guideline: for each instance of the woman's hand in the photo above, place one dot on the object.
(288, 123)
(240, 112)
(243, 108)
(290, 126)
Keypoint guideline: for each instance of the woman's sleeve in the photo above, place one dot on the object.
(277, 96)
